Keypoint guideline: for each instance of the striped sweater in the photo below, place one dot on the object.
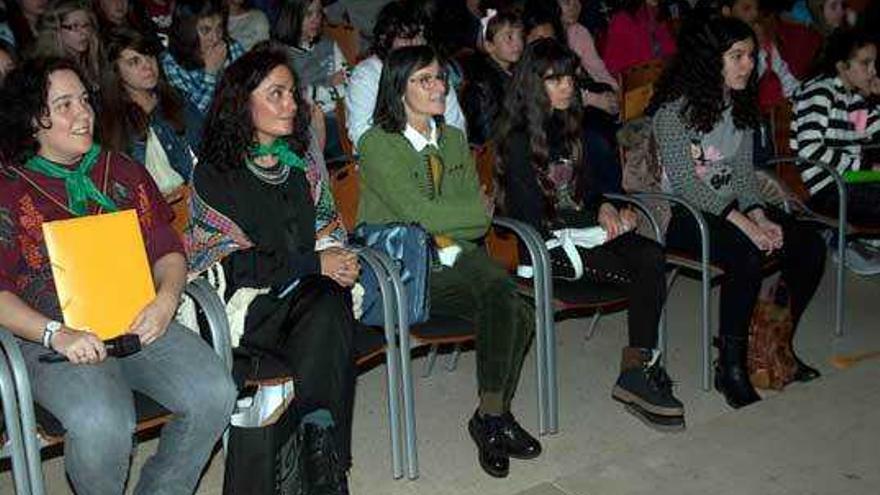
(830, 124)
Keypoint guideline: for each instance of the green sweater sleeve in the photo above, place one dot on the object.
(392, 186)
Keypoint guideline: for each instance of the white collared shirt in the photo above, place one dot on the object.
(418, 140)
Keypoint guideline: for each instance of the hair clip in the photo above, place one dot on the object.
(484, 22)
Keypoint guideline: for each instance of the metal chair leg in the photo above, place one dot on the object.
(11, 413)
(431, 360)
(26, 412)
(452, 360)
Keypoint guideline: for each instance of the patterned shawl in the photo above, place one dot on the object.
(211, 235)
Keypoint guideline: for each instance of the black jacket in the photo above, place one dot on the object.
(482, 96)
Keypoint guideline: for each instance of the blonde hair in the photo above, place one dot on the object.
(49, 42)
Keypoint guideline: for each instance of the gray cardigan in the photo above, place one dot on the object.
(737, 190)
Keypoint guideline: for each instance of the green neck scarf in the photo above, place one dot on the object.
(80, 188)
(280, 150)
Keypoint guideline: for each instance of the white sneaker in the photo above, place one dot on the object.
(861, 259)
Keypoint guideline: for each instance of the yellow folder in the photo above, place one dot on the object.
(101, 271)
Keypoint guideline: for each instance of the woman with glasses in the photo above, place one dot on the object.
(415, 168)
(67, 29)
(199, 48)
(143, 116)
(398, 25)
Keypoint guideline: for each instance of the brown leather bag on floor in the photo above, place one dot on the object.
(771, 359)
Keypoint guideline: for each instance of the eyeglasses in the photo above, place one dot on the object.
(427, 81)
(77, 26)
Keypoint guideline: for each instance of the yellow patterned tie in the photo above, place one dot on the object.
(435, 168)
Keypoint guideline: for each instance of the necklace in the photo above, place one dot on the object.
(272, 176)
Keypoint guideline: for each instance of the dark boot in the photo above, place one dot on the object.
(487, 432)
(646, 389)
(323, 469)
(731, 372)
(805, 372)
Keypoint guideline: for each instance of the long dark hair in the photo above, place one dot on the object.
(695, 74)
(288, 27)
(527, 107)
(121, 119)
(400, 65)
(229, 129)
(23, 98)
(183, 38)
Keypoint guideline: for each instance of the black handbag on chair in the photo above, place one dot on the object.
(266, 459)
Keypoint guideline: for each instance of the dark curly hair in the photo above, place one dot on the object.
(527, 107)
(396, 19)
(229, 129)
(23, 100)
(695, 74)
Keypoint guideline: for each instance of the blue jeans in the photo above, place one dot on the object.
(95, 405)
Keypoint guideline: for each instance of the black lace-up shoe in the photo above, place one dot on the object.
(488, 433)
(519, 443)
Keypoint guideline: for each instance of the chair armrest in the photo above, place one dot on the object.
(638, 203)
(532, 240)
(387, 287)
(839, 183)
(206, 297)
(695, 213)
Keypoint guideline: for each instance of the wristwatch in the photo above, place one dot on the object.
(52, 327)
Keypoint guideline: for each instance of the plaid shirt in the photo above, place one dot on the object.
(197, 85)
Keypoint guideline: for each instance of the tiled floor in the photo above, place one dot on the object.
(602, 450)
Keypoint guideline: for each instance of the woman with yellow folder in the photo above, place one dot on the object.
(53, 170)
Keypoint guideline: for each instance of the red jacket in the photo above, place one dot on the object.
(629, 40)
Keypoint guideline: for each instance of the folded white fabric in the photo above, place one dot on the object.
(265, 407)
(570, 239)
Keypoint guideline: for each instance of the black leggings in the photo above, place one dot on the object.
(636, 264)
(802, 258)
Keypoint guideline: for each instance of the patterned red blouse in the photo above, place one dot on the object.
(24, 263)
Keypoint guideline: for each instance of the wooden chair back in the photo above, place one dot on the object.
(346, 192)
(347, 38)
(502, 246)
(637, 87)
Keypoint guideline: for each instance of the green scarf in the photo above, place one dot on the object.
(279, 149)
(80, 188)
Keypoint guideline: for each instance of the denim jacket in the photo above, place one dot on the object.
(176, 146)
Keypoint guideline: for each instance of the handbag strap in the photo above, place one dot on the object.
(564, 240)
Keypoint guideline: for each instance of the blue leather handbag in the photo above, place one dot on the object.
(411, 248)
